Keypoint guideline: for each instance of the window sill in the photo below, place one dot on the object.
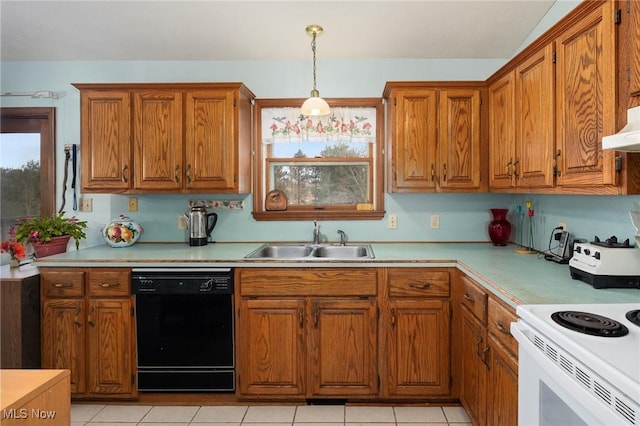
(318, 215)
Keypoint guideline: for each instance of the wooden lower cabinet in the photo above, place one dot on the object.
(416, 322)
(488, 363)
(473, 371)
(87, 328)
(305, 333)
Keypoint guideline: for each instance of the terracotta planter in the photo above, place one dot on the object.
(55, 246)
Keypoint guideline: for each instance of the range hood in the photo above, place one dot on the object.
(627, 139)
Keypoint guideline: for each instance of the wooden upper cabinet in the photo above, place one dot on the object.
(521, 125)
(433, 136)
(586, 103)
(535, 136)
(459, 138)
(157, 139)
(502, 148)
(413, 146)
(166, 137)
(210, 145)
(633, 49)
(105, 133)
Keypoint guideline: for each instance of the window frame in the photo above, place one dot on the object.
(260, 167)
(37, 120)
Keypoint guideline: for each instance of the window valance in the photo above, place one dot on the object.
(287, 125)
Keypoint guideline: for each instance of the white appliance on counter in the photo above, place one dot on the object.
(578, 364)
(628, 138)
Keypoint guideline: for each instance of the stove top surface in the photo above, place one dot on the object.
(617, 359)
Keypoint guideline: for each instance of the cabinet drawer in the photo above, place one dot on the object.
(307, 282)
(62, 283)
(474, 298)
(499, 324)
(110, 282)
(414, 283)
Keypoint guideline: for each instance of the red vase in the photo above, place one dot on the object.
(55, 246)
(499, 227)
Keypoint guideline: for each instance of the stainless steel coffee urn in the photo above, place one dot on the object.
(200, 225)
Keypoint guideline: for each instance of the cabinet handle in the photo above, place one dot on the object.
(90, 319)
(62, 285)
(509, 164)
(556, 169)
(478, 343)
(176, 177)
(124, 175)
(109, 285)
(75, 320)
(433, 172)
(315, 316)
(469, 298)
(502, 328)
(515, 169)
(188, 173)
(420, 286)
(444, 172)
(484, 357)
(301, 317)
(393, 317)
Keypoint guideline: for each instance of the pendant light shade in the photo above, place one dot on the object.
(314, 106)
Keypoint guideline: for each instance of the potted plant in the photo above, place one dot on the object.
(50, 234)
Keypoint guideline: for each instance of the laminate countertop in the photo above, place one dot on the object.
(515, 278)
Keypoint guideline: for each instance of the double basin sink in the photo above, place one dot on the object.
(311, 252)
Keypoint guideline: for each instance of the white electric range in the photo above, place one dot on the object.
(567, 377)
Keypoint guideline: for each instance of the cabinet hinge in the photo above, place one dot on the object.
(133, 379)
(378, 381)
(628, 73)
(132, 312)
(617, 18)
(553, 58)
(234, 102)
(395, 102)
(619, 164)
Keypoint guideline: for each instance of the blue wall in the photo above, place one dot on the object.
(463, 217)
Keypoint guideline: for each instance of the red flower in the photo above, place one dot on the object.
(344, 128)
(273, 127)
(366, 126)
(15, 249)
(531, 212)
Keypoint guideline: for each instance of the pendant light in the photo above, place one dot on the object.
(314, 106)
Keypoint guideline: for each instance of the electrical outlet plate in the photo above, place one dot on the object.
(182, 224)
(435, 221)
(563, 225)
(133, 204)
(393, 221)
(86, 204)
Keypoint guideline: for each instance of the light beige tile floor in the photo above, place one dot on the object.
(265, 415)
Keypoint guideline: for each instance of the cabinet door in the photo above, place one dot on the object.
(106, 140)
(502, 132)
(473, 374)
(535, 135)
(502, 390)
(586, 105)
(418, 347)
(110, 336)
(63, 341)
(343, 347)
(414, 140)
(459, 139)
(211, 151)
(158, 140)
(272, 359)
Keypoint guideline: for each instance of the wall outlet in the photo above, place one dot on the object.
(393, 221)
(435, 221)
(86, 204)
(563, 225)
(182, 223)
(133, 204)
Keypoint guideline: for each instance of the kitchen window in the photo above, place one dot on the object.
(327, 167)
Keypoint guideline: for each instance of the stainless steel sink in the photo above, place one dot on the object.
(311, 252)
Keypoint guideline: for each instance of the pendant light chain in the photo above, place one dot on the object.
(313, 49)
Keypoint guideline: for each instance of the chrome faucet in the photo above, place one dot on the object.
(316, 233)
(343, 237)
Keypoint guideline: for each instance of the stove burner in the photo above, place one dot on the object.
(634, 317)
(611, 242)
(588, 323)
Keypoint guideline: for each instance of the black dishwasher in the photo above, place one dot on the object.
(184, 329)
